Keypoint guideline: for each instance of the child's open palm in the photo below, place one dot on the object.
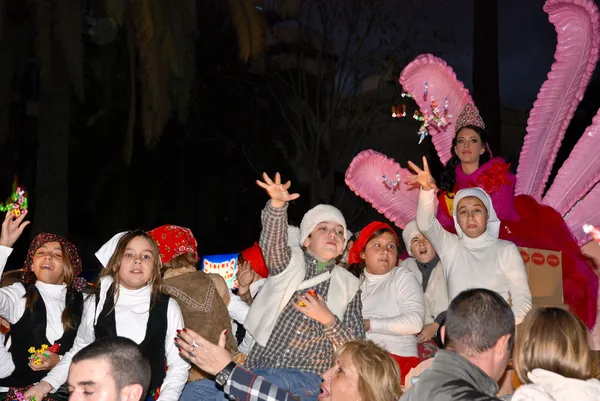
(277, 191)
(423, 177)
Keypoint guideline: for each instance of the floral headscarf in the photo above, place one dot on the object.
(28, 276)
(174, 241)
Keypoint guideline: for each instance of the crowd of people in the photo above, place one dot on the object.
(319, 313)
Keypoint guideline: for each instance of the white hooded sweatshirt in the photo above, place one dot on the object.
(482, 262)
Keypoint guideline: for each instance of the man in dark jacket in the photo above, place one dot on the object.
(479, 332)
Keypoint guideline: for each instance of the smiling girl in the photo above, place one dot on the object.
(392, 298)
(44, 308)
(127, 300)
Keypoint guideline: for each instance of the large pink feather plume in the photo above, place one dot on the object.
(364, 177)
(442, 83)
(576, 24)
(586, 211)
(579, 173)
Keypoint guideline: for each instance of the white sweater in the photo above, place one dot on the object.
(12, 307)
(549, 386)
(131, 318)
(436, 294)
(482, 262)
(393, 302)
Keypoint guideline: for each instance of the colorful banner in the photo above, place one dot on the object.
(224, 265)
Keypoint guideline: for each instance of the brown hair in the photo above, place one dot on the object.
(31, 296)
(183, 260)
(378, 373)
(554, 340)
(358, 268)
(114, 264)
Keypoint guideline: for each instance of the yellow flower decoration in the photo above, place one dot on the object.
(31, 350)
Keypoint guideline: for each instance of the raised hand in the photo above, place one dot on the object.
(245, 276)
(277, 191)
(12, 228)
(423, 177)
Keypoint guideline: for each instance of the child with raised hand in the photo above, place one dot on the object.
(308, 305)
(44, 308)
(474, 257)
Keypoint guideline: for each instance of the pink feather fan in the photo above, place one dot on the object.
(576, 24)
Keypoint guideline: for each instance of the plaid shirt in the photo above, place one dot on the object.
(297, 341)
(245, 385)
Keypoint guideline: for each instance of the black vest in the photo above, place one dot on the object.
(30, 331)
(153, 346)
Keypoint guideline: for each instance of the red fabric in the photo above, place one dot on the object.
(174, 241)
(363, 238)
(406, 363)
(257, 261)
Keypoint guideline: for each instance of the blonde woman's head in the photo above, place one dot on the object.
(362, 371)
(554, 340)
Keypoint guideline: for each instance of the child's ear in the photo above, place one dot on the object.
(306, 242)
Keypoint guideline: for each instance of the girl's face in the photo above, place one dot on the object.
(468, 146)
(472, 216)
(340, 382)
(421, 249)
(137, 265)
(48, 265)
(381, 254)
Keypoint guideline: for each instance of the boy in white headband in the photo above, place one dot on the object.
(308, 305)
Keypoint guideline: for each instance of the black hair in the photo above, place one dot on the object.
(448, 176)
(127, 363)
(476, 319)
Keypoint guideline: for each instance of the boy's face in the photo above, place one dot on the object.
(326, 241)
(472, 216)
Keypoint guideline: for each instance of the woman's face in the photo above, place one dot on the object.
(340, 382)
(48, 264)
(468, 146)
(381, 254)
(137, 265)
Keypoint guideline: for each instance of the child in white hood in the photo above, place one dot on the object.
(474, 257)
(552, 358)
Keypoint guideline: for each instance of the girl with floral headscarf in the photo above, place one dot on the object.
(43, 309)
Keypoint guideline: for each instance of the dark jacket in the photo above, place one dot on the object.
(452, 378)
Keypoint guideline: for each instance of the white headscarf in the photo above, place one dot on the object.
(106, 251)
(410, 231)
(493, 223)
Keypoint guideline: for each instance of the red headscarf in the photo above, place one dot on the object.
(255, 257)
(174, 241)
(28, 276)
(363, 238)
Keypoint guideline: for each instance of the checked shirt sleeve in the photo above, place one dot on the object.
(245, 385)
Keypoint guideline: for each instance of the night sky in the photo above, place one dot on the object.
(527, 41)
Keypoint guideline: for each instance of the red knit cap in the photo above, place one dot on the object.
(255, 257)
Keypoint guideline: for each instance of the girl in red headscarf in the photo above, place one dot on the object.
(392, 298)
(44, 309)
(199, 295)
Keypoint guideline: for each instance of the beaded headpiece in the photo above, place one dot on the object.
(469, 116)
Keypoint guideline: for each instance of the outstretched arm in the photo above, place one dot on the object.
(273, 237)
(443, 241)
